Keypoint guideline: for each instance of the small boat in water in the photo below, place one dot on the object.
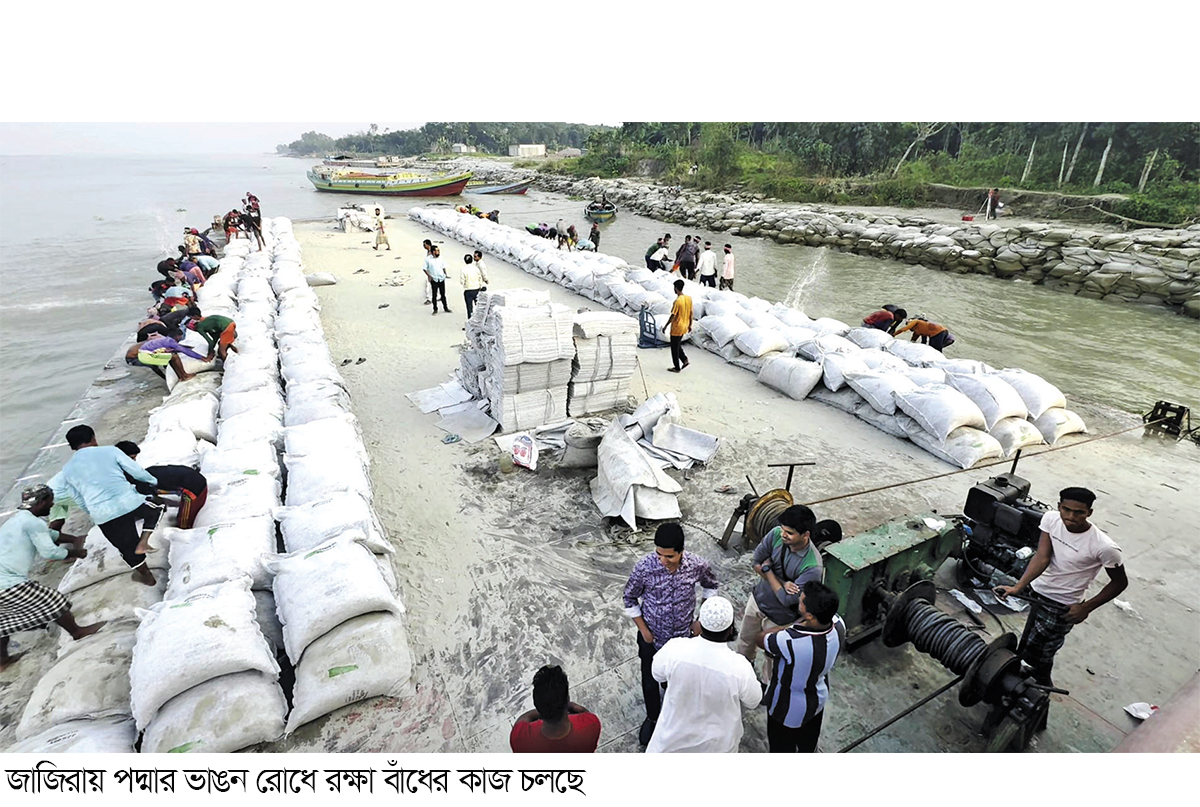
(512, 188)
(600, 211)
(327, 178)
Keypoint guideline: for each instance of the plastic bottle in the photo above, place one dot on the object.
(506, 462)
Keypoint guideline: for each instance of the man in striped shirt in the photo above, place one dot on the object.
(805, 652)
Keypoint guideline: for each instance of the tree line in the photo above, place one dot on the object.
(1157, 164)
(489, 138)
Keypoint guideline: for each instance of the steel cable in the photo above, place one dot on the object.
(942, 636)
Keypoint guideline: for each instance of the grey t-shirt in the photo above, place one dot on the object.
(799, 567)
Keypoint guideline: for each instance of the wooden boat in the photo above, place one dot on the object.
(326, 178)
(511, 189)
(599, 212)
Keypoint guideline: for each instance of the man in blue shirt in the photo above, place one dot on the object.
(95, 478)
(24, 604)
(804, 654)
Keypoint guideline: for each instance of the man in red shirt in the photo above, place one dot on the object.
(555, 725)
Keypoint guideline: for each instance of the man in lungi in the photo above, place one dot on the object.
(25, 604)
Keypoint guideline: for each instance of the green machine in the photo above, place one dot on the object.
(890, 557)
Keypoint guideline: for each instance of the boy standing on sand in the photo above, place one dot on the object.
(680, 324)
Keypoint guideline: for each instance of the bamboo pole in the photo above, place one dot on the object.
(1029, 162)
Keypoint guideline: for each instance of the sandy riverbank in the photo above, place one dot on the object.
(502, 573)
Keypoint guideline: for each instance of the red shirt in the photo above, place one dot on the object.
(879, 317)
(526, 738)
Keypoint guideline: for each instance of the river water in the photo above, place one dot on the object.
(80, 235)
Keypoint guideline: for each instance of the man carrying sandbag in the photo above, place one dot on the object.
(180, 480)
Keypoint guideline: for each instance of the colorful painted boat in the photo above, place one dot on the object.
(326, 178)
(600, 213)
(511, 189)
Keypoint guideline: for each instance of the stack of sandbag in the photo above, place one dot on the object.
(203, 677)
(342, 626)
(605, 359)
(527, 350)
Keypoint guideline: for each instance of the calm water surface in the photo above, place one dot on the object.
(80, 235)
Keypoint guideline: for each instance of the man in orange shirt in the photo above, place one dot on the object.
(936, 335)
(680, 324)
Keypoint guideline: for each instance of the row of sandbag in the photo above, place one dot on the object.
(82, 703)
(749, 331)
(335, 590)
(204, 675)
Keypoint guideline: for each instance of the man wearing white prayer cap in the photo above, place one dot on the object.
(708, 684)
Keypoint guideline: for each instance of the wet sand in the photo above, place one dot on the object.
(502, 573)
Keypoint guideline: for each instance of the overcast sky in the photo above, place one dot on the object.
(165, 138)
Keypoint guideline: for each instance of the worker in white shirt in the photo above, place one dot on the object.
(474, 280)
(708, 684)
(706, 266)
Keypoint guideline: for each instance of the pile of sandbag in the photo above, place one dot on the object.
(820, 358)
(518, 357)
(605, 359)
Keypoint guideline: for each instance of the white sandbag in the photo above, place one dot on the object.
(112, 599)
(102, 562)
(793, 377)
(759, 319)
(89, 680)
(994, 396)
(250, 427)
(797, 336)
(1058, 422)
(109, 735)
(940, 409)
(914, 353)
(317, 406)
(879, 388)
(1038, 393)
(321, 279)
(317, 437)
(845, 399)
(365, 657)
(220, 716)
(923, 376)
(758, 342)
(628, 484)
(829, 343)
(964, 446)
(882, 361)
(870, 337)
(205, 556)
(174, 446)
(1015, 433)
(828, 325)
(310, 525)
(183, 643)
(963, 366)
(239, 497)
(836, 366)
(264, 400)
(897, 424)
(318, 589)
(313, 478)
(790, 316)
(199, 415)
(250, 459)
(722, 330)
(715, 308)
